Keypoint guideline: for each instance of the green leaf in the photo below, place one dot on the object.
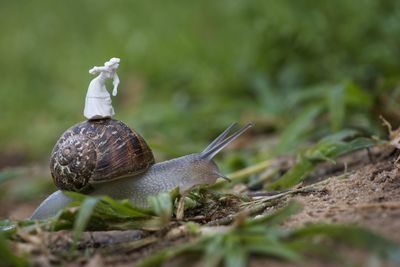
(10, 173)
(309, 94)
(111, 214)
(311, 247)
(355, 144)
(162, 205)
(342, 135)
(275, 249)
(276, 217)
(357, 97)
(158, 258)
(324, 150)
(7, 228)
(84, 214)
(235, 253)
(296, 174)
(336, 106)
(75, 195)
(213, 250)
(113, 207)
(301, 124)
(7, 256)
(125, 208)
(327, 149)
(354, 236)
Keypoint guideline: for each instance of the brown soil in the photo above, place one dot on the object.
(369, 197)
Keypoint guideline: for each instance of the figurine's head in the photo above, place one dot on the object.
(113, 63)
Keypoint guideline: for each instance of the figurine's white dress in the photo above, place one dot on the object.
(98, 100)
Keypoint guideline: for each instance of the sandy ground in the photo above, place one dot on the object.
(369, 197)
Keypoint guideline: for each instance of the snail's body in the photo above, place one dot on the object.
(183, 172)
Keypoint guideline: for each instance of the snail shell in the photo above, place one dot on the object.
(96, 151)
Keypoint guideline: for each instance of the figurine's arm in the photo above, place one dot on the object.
(96, 69)
(115, 83)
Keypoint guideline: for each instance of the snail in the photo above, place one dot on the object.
(103, 156)
(106, 157)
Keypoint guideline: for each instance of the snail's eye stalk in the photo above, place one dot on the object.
(222, 141)
(220, 137)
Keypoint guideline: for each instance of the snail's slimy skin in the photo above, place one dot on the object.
(184, 172)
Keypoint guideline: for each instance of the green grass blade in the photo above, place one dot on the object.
(327, 149)
(354, 236)
(342, 135)
(7, 228)
(124, 207)
(113, 207)
(276, 217)
(296, 174)
(336, 106)
(213, 250)
(75, 195)
(84, 214)
(357, 97)
(10, 173)
(158, 258)
(7, 257)
(162, 206)
(310, 247)
(110, 214)
(353, 145)
(275, 249)
(301, 124)
(235, 256)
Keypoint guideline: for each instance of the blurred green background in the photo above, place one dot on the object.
(298, 69)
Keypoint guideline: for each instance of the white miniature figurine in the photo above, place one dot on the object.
(98, 100)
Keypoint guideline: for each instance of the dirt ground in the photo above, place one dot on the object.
(362, 188)
(369, 197)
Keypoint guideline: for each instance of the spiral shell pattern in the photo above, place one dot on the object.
(96, 151)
